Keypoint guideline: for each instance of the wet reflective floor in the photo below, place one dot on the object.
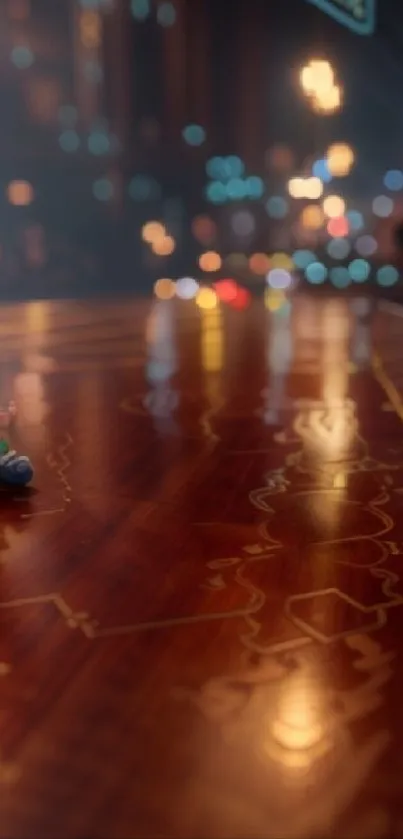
(201, 599)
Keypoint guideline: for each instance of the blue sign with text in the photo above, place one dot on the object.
(357, 15)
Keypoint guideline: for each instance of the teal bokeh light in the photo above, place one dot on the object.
(236, 189)
(359, 270)
(216, 192)
(338, 248)
(340, 277)
(355, 220)
(22, 57)
(254, 187)
(387, 276)
(277, 207)
(144, 188)
(69, 140)
(140, 9)
(302, 258)
(194, 135)
(99, 143)
(316, 273)
(166, 14)
(224, 168)
(102, 189)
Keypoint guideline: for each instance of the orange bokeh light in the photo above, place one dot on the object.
(165, 289)
(163, 246)
(152, 231)
(279, 158)
(210, 261)
(20, 193)
(204, 229)
(312, 217)
(259, 263)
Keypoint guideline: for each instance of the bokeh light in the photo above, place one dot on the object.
(296, 187)
(276, 300)
(259, 263)
(340, 159)
(237, 261)
(216, 192)
(69, 141)
(234, 167)
(144, 188)
(152, 231)
(204, 229)
(327, 102)
(164, 289)
(338, 248)
(90, 29)
(210, 261)
(382, 206)
(277, 207)
(340, 277)
(243, 223)
(163, 246)
(98, 143)
(359, 270)
(236, 189)
(186, 288)
(20, 193)
(22, 57)
(140, 9)
(280, 158)
(320, 169)
(254, 187)
(313, 188)
(317, 77)
(355, 220)
(312, 217)
(338, 226)
(387, 276)
(366, 245)
(279, 278)
(226, 290)
(302, 258)
(102, 189)
(206, 298)
(241, 299)
(393, 180)
(333, 206)
(166, 14)
(224, 168)
(316, 273)
(194, 135)
(281, 260)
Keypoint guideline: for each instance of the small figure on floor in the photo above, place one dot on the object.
(14, 469)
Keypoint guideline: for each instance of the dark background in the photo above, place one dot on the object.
(108, 95)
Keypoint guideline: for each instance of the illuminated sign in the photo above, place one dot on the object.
(357, 15)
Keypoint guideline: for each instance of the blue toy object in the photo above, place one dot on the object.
(14, 469)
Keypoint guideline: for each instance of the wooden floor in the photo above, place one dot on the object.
(201, 596)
